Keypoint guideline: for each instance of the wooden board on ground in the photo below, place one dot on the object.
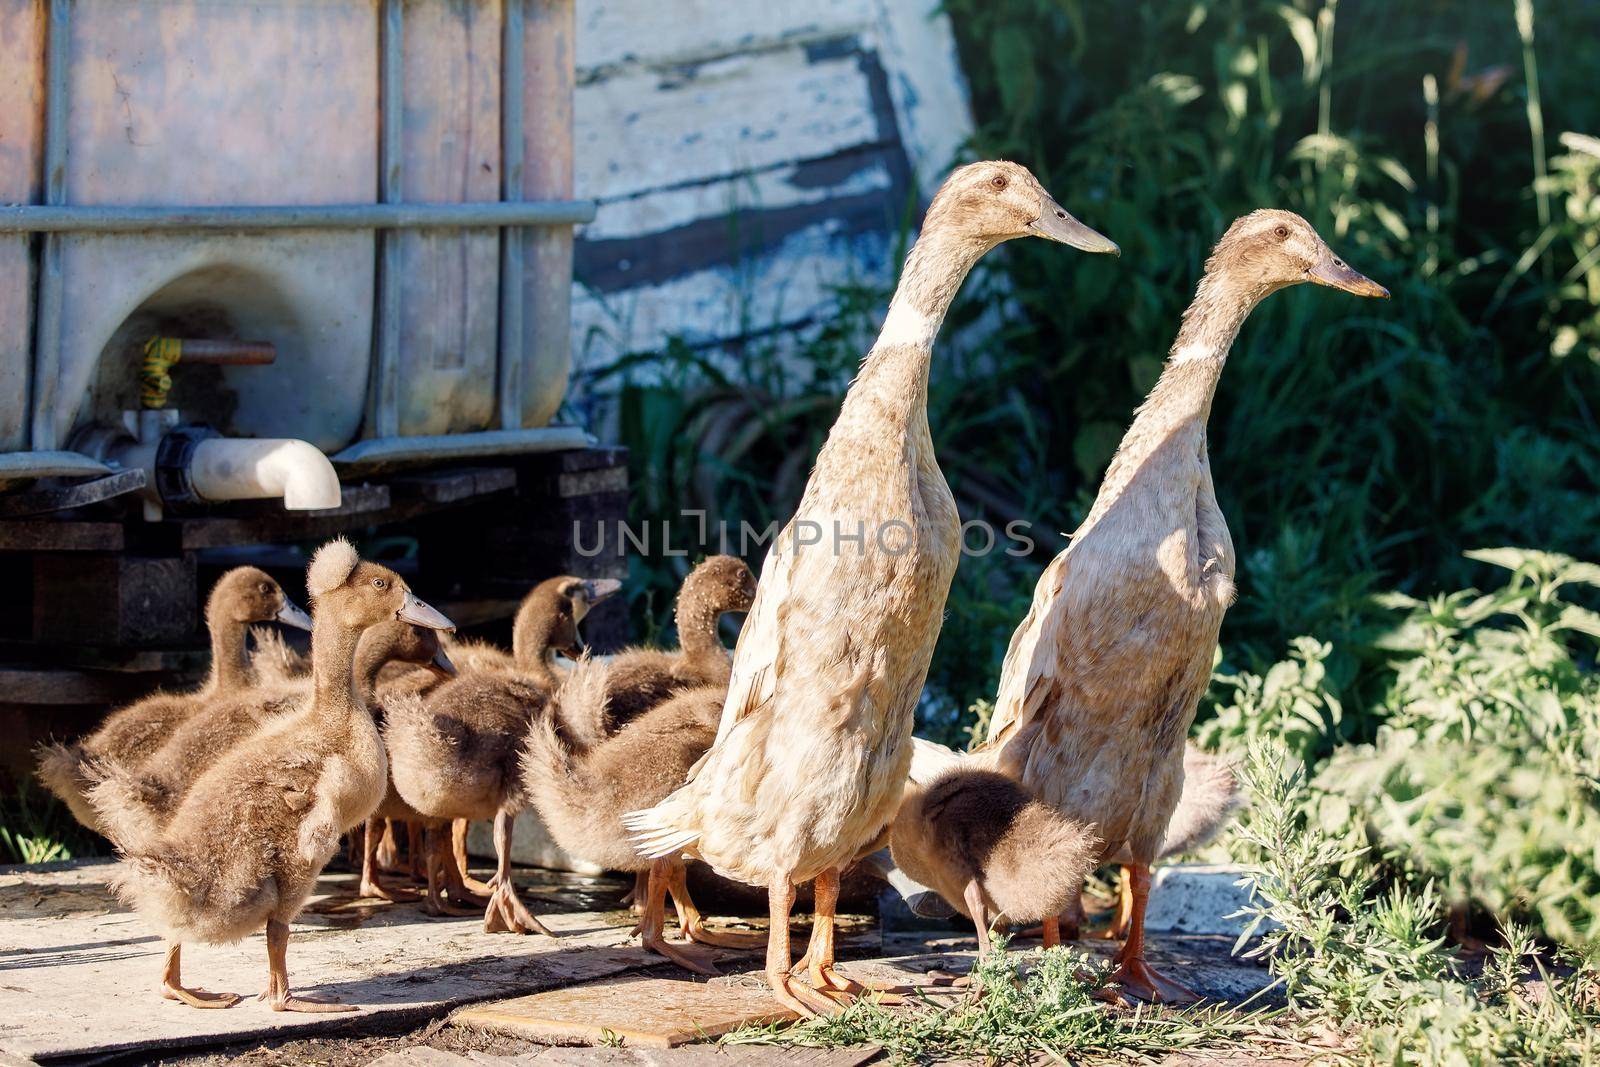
(655, 1012)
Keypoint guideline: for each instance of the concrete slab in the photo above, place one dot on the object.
(78, 970)
(1197, 898)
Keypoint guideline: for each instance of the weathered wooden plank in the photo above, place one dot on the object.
(367, 502)
(67, 687)
(648, 32)
(62, 497)
(639, 130)
(43, 536)
(785, 288)
(651, 1012)
(113, 599)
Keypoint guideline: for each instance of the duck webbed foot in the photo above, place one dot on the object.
(277, 992)
(441, 867)
(458, 846)
(786, 989)
(372, 887)
(652, 923)
(1133, 975)
(694, 924)
(172, 986)
(505, 910)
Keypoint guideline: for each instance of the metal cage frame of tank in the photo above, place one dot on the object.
(381, 443)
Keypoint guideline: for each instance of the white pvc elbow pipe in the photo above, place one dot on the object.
(237, 468)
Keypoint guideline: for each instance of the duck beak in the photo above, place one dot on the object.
(441, 665)
(419, 613)
(1336, 274)
(598, 589)
(1054, 224)
(291, 614)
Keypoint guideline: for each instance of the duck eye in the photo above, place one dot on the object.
(1281, 231)
(998, 181)
(379, 583)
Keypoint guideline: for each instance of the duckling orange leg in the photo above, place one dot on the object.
(371, 881)
(416, 851)
(694, 924)
(792, 994)
(634, 898)
(505, 910)
(458, 840)
(652, 923)
(172, 986)
(440, 866)
(1136, 977)
(980, 916)
(277, 991)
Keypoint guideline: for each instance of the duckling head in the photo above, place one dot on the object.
(248, 594)
(357, 593)
(1269, 249)
(405, 642)
(720, 583)
(549, 616)
(998, 200)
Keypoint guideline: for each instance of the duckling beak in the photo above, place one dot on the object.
(419, 613)
(1336, 274)
(1054, 224)
(598, 589)
(441, 665)
(291, 614)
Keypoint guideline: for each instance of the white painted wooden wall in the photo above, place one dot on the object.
(747, 156)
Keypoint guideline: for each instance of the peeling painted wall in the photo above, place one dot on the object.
(748, 157)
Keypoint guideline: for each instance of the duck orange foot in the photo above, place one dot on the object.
(1137, 979)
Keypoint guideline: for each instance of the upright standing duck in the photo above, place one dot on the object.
(1102, 678)
(814, 741)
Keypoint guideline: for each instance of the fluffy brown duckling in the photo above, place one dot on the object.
(130, 735)
(582, 791)
(248, 840)
(455, 753)
(981, 842)
(641, 678)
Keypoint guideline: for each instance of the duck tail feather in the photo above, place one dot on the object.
(582, 704)
(126, 803)
(654, 836)
(1211, 795)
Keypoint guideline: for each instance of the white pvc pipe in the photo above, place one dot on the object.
(229, 468)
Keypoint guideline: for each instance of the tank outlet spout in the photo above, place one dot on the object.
(233, 468)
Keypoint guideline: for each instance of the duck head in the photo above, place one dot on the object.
(720, 583)
(404, 642)
(549, 616)
(1268, 250)
(998, 200)
(247, 595)
(356, 593)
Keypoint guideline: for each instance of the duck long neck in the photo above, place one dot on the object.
(894, 377)
(333, 678)
(230, 660)
(530, 647)
(697, 630)
(1174, 414)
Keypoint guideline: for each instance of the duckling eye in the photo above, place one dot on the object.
(266, 587)
(998, 181)
(1281, 231)
(379, 583)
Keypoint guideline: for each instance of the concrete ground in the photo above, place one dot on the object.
(78, 974)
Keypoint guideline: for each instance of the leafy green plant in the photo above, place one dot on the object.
(1346, 944)
(35, 828)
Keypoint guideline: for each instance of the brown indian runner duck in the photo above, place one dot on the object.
(250, 837)
(130, 735)
(812, 749)
(1101, 680)
(455, 753)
